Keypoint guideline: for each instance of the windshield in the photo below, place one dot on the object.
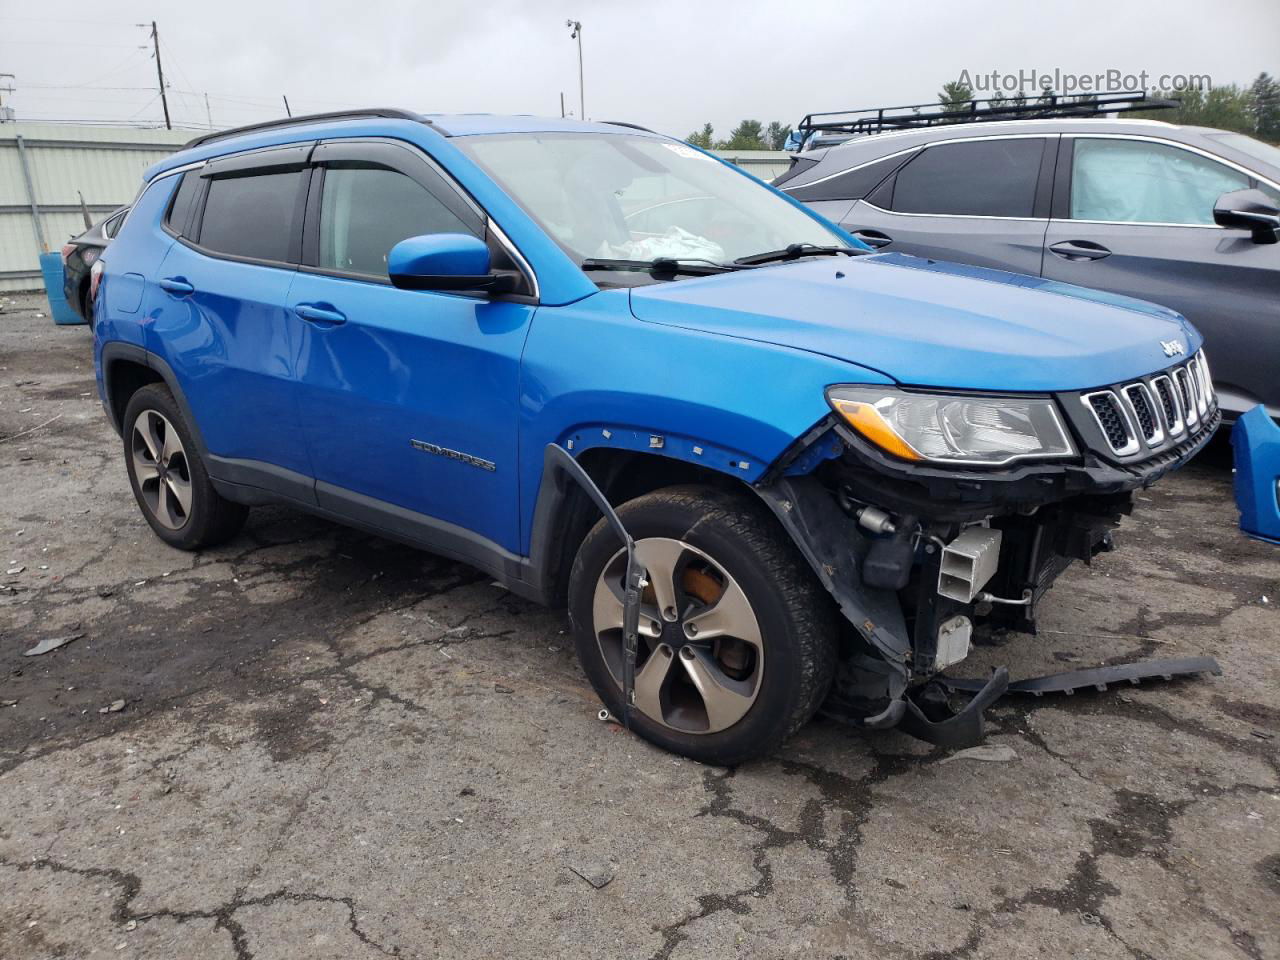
(624, 197)
(1250, 147)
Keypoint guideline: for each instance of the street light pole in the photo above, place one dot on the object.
(576, 28)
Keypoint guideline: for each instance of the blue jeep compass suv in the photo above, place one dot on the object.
(833, 464)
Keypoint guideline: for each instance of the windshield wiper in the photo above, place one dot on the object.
(794, 252)
(660, 265)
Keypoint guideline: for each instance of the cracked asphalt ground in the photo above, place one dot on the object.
(335, 746)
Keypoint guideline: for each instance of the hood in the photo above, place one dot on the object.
(929, 323)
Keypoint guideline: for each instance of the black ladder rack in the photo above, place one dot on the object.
(913, 115)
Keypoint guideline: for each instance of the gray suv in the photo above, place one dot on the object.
(1183, 216)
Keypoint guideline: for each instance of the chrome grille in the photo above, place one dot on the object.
(1169, 405)
(1144, 410)
(1147, 412)
(1188, 395)
(1196, 372)
(1113, 420)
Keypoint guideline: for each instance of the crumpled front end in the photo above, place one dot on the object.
(923, 557)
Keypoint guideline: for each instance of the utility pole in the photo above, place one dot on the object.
(6, 113)
(561, 104)
(576, 27)
(164, 99)
(287, 111)
(208, 114)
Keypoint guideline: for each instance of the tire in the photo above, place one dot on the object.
(772, 666)
(175, 495)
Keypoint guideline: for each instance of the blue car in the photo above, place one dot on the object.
(835, 466)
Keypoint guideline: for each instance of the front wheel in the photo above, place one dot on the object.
(737, 638)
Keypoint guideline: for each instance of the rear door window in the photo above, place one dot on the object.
(1137, 181)
(366, 210)
(981, 178)
(251, 216)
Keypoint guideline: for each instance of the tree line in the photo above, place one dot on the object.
(748, 135)
(1253, 110)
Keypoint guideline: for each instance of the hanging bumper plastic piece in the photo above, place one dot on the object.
(637, 575)
(1255, 442)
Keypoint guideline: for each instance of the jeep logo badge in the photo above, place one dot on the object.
(1173, 348)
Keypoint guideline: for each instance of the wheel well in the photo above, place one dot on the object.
(124, 379)
(621, 475)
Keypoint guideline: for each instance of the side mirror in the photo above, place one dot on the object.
(1249, 210)
(444, 261)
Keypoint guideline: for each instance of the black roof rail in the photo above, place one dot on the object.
(913, 115)
(390, 113)
(624, 123)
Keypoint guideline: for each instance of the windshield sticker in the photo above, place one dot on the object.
(686, 151)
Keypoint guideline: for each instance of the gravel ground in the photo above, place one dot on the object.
(334, 746)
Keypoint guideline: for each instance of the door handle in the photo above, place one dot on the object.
(177, 286)
(873, 238)
(1079, 250)
(318, 314)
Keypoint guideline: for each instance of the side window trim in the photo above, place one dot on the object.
(1062, 190)
(401, 158)
(404, 160)
(1060, 209)
(243, 167)
(166, 222)
(1042, 205)
(309, 261)
(884, 192)
(795, 190)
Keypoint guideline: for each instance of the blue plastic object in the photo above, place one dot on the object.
(59, 309)
(439, 255)
(1255, 442)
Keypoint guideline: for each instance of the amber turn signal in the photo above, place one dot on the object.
(866, 419)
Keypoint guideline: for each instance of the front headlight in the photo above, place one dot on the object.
(942, 428)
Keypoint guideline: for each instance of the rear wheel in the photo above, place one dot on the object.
(168, 477)
(737, 639)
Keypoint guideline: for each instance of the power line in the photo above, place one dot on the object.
(76, 20)
(74, 43)
(110, 71)
(76, 86)
(147, 106)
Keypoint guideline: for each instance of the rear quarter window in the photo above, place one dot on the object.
(178, 216)
(110, 228)
(853, 184)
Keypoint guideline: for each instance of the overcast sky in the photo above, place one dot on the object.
(664, 64)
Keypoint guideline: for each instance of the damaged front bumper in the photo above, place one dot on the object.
(918, 558)
(1256, 442)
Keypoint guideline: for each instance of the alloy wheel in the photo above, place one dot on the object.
(161, 469)
(701, 656)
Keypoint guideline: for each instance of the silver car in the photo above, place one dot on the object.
(1182, 216)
